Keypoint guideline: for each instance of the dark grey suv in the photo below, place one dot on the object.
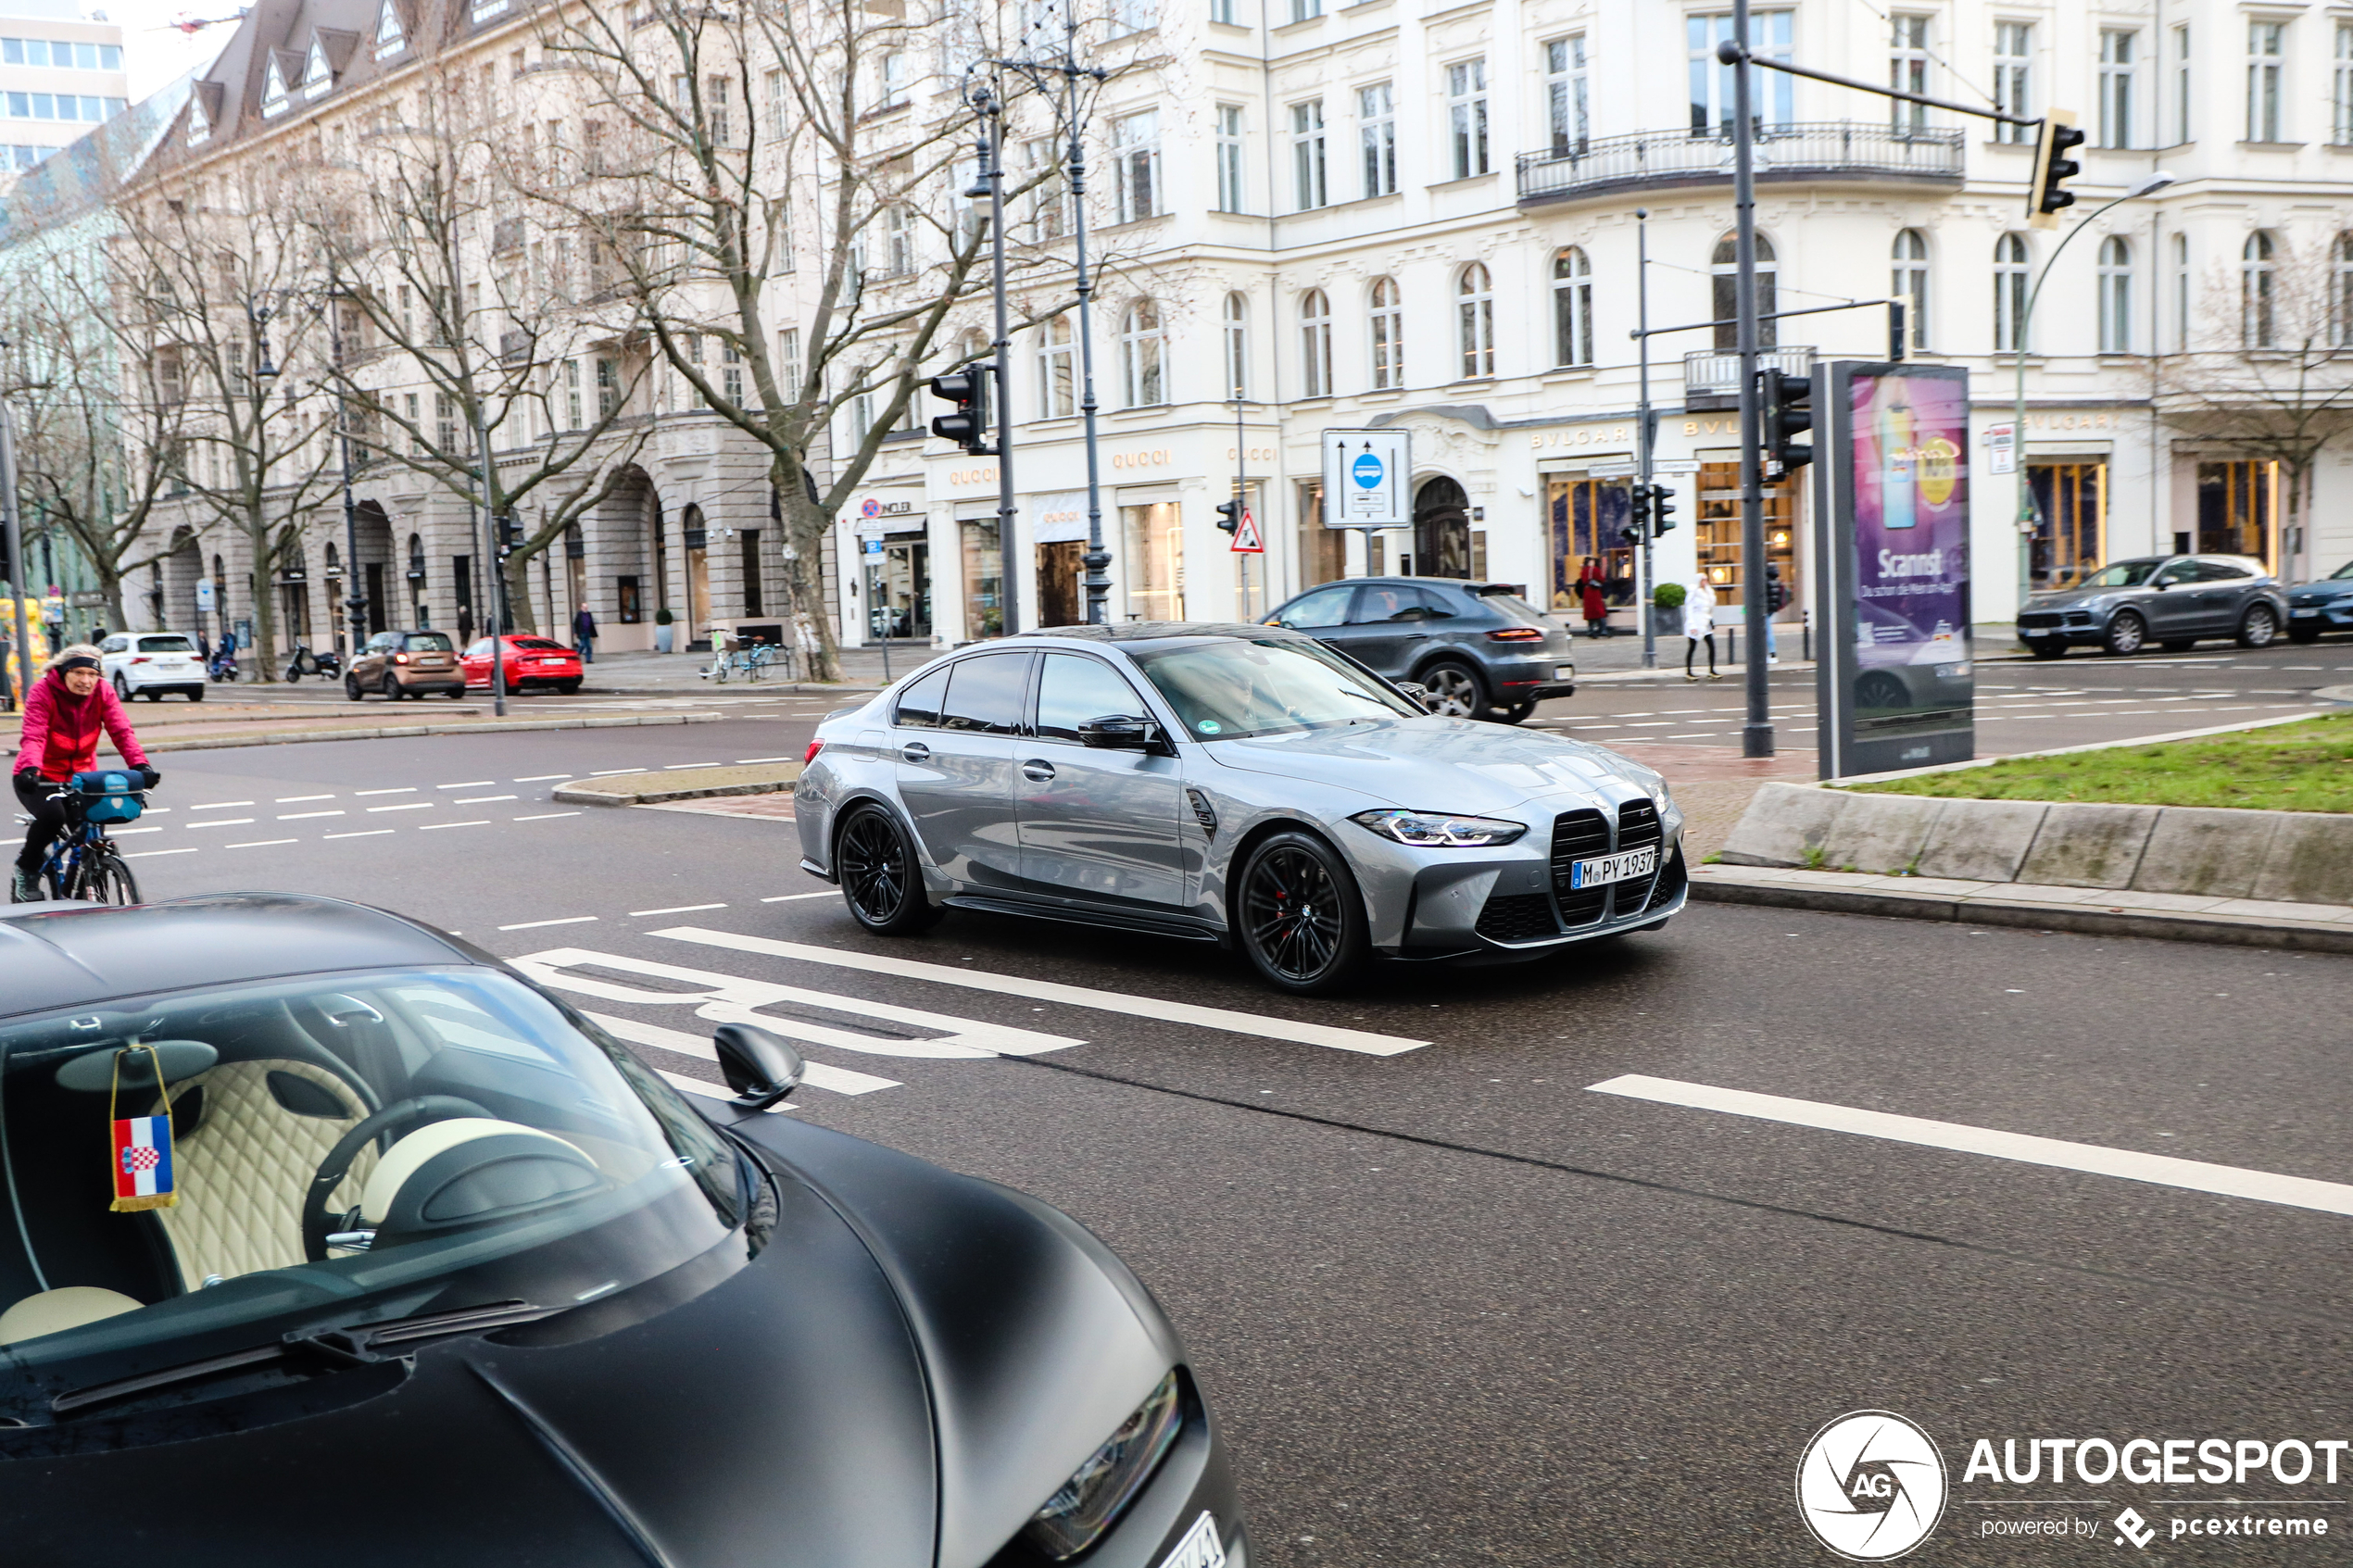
(2170, 600)
(1481, 650)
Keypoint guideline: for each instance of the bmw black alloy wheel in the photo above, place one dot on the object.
(1298, 915)
(879, 878)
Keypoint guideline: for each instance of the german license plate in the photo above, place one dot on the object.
(2304, 612)
(1613, 868)
(1564, 671)
(1201, 1547)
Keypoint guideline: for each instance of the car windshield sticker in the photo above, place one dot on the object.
(1207, 726)
(142, 1144)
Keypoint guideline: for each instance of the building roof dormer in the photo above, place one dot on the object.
(286, 65)
(391, 36)
(204, 108)
(329, 52)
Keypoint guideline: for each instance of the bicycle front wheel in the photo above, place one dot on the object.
(105, 880)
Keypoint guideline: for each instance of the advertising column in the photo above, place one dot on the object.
(1896, 689)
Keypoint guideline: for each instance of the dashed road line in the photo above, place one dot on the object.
(405, 806)
(149, 854)
(260, 843)
(477, 822)
(298, 799)
(224, 822)
(789, 897)
(304, 816)
(547, 816)
(371, 833)
(542, 778)
(680, 910)
(404, 789)
(480, 799)
(470, 784)
(221, 806)
(535, 925)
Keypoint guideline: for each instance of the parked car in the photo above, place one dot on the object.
(1479, 648)
(1241, 784)
(2170, 600)
(148, 664)
(2324, 605)
(531, 661)
(403, 664)
(435, 1228)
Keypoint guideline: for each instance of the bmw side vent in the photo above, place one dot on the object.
(1201, 813)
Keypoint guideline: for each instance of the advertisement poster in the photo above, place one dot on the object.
(1900, 456)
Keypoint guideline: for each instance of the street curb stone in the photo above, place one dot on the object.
(399, 731)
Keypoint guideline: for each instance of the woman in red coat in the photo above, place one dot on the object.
(65, 711)
(1591, 586)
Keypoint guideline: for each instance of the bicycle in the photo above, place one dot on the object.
(83, 862)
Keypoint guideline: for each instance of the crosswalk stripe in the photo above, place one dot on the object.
(820, 1075)
(1152, 1008)
(2162, 1170)
(685, 1084)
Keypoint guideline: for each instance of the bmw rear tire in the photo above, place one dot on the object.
(882, 880)
(1299, 916)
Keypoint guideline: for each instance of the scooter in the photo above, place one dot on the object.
(326, 665)
(223, 665)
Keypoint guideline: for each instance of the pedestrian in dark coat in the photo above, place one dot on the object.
(583, 635)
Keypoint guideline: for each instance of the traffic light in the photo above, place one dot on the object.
(509, 533)
(1229, 515)
(1784, 412)
(2044, 196)
(967, 392)
(1662, 510)
(1638, 521)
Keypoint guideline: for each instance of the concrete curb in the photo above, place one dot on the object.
(2232, 929)
(402, 731)
(574, 795)
(797, 688)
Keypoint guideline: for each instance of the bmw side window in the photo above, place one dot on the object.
(1074, 689)
(1325, 606)
(985, 694)
(919, 702)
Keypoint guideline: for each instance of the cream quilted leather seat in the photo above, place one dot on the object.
(241, 1172)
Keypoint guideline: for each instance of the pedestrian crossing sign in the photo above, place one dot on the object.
(1246, 539)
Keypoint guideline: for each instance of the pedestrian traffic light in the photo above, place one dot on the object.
(1229, 515)
(2044, 196)
(967, 392)
(1785, 411)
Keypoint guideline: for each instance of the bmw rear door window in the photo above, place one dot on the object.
(919, 700)
(985, 694)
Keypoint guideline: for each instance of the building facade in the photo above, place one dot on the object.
(60, 74)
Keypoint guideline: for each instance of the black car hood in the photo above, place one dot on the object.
(798, 1414)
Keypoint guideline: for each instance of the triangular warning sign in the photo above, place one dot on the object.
(1246, 539)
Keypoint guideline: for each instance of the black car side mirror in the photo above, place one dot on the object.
(1120, 732)
(1419, 692)
(760, 1066)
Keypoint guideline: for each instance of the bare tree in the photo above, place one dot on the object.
(2270, 374)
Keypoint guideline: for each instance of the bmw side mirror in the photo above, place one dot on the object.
(1419, 692)
(759, 1065)
(1120, 732)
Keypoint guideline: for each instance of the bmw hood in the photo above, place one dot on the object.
(1450, 764)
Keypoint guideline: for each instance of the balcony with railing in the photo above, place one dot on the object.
(1712, 376)
(1836, 149)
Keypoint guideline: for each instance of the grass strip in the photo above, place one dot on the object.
(2302, 767)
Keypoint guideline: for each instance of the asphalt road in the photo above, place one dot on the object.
(1452, 1305)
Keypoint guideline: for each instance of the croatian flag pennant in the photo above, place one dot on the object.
(142, 1148)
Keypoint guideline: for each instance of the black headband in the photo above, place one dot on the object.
(74, 661)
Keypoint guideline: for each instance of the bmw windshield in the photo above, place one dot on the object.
(1230, 689)
(326, 1154)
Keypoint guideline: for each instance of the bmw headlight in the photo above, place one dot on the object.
(1076, 1516)
(1439, 830)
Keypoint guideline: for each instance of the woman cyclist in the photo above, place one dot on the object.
(64, 712)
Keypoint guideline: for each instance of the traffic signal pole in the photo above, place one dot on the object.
(1646, 587)
(1756, 733)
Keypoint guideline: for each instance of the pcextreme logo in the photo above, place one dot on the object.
(1870, 1486)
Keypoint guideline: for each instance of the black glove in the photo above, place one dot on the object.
(149, 777)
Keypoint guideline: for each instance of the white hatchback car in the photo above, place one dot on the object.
(151, 663)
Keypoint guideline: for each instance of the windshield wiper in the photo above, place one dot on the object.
(339, 1345)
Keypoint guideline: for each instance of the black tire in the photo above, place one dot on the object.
(567, 688)
(1455, 689)
(195, 694)
(454, 693)
(153, 694)
(2178, 645)
(351, 688)
(2126, 635)
(121, 687)
(391, 687)
(882, 880)
(2297, 634)
(105, 880)
(1514, 713)
(2047, 647)
(1299, 916)
(294, 673)
(2260, 627)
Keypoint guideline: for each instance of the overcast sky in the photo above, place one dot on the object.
(153, 51)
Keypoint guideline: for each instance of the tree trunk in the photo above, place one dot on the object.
(805, 527)
(520, 611)
(264, 666)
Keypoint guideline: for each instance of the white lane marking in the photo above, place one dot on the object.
(547, 816)
(606, 773)
(748, 761)
(840, 1080)
(2162, 1170)
(117, 832)
(673, 767)
(678, 910)
(470, 784)
(535, 925)
(480, 799)
(542, 778)
(730, 998)
(371, 833)
(1072, 996)
(405, 806)
(306, 816)
(222, 823)
(477, 822)
(149, 854)
(298, 799)
(221, 806)
(685, 1084)
(260, 843)
(404, 789)
(789, 897)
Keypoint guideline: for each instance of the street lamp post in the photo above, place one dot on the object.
(354, 602)
(2146, 185)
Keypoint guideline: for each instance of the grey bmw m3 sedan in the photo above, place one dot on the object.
(1238, 784)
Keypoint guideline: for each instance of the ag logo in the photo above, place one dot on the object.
(1870, 1486)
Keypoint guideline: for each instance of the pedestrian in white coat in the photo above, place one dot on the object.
(1699, 622)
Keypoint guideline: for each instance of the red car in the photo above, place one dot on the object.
(531, 661)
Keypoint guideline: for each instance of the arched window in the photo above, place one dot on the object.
(1314, 344)
(1389, 335)
(1237, 342)
(2009, 294)
(2258, 279)
(1725, 265)
(1057, 398)
(1141, 381)
(2341, 291)
(1909, 276)
(1474, 321)
(1572, 308)
(2115, 294)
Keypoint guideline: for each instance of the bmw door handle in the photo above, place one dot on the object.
(1038, 771)
(915, 751)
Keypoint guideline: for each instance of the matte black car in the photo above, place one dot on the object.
(2324, 605)
(1479, 649)
(2170, 600)
(452, 1278)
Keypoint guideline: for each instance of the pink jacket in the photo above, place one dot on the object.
(61, 730)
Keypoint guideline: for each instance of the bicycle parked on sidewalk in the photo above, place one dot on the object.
(83, 862)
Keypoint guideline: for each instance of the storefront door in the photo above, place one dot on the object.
(2070, 508)
(1060, 596)
(984, 580)
(2235, 502)
(1441, 529)
(1155, 562)
(1583, 520)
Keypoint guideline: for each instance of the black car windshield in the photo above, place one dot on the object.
(165, 644)
(1232, 689)
(430, 642)
(498, 1150)
(2124, 575)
